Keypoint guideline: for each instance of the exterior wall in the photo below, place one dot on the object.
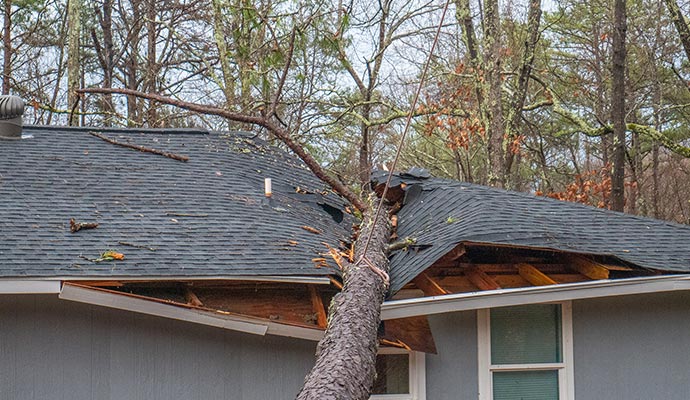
(628, 348)
(56, 349)
(452, 373)
(633, 347)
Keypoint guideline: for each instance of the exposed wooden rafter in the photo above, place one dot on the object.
(480, 279)
(428, 285)
(319, 309)
(589, 268)
(192, 298)
(532, 275)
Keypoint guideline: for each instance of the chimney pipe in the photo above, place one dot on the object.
(11, 111)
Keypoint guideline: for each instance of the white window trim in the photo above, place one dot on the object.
(566, 378)
(417, 376)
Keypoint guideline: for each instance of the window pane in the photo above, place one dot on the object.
(526, 334)
(526, 385)
(392, 374)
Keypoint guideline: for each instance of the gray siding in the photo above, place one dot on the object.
(452, 373)
(627, 348)
(633, 347)
(55, 349)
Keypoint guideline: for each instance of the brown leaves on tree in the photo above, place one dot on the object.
(591, 187)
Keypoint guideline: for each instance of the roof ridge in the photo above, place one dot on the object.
(200, 131)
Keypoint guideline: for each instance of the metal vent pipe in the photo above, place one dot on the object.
(11, 111)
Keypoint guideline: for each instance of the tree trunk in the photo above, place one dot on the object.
(223, 54)
(132, 65)
(151, 75)
(108, 56)
(515, 112)
(496, 123)
(618, 106)
(73, 62)
(681, 25)
(346, 356)
(7, 48)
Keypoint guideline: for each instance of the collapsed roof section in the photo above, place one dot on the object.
(451, 222)
(206, 217)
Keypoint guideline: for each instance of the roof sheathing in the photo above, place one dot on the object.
(446, 213)
(204, 217)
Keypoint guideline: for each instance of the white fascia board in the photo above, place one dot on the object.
(295, 331)
(17, 286)
(232, 322)
(123, 302)
(531, 295)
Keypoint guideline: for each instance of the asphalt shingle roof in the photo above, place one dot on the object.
(204, 217)
(440, 214)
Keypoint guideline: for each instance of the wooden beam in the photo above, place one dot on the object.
(336, 283)
(413, 333)
(452, 256)
(319, 309)
(533, 275)
(589, 268)
(480, 279)
(191, 298)
(427, 284)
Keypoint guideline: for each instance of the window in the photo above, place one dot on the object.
(525, 352)
(400, 375)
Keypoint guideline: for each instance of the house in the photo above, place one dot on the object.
(127, 272)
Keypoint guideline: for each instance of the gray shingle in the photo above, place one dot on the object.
(447, 213)
(205, 217)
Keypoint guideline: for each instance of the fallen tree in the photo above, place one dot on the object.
(346, 356)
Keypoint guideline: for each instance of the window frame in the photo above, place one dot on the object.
(417, 376)
(566, 387)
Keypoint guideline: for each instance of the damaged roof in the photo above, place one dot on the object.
(440, 214)
(207, 217)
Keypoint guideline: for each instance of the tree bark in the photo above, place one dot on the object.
(618, 106)
(346, 356)
(515, 112)
(7, 48)
(496, 123)
(681, 25)
(151, 74)
(73, 61)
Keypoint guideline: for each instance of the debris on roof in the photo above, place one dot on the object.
(206, 217)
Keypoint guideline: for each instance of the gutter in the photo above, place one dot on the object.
(161, 308)
(531, 295)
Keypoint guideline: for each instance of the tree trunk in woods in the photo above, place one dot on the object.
(107, 58)
(73, 62)
(496, 123)
(518, 101)
(7, 48)
(618, 106)
(681, 25)
(151, 75)
(346, 356)
(228, 81)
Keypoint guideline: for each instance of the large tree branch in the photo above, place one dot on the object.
(264, 122)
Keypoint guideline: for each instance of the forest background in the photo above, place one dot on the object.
(520, 94)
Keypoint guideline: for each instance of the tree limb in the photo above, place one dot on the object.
(263, 122)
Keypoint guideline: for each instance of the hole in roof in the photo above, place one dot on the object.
(335, 213)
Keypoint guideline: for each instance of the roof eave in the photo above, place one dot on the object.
(531, 295)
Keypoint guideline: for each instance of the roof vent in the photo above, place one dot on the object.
(11, 111)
